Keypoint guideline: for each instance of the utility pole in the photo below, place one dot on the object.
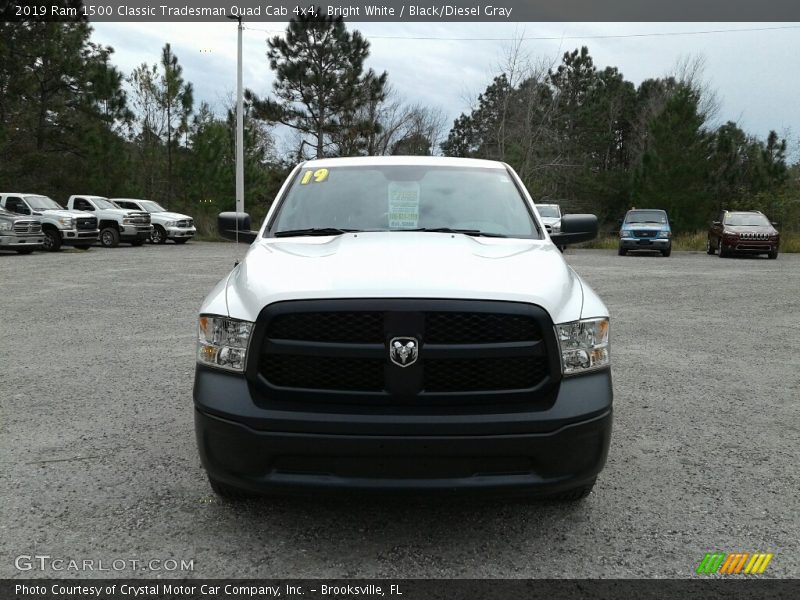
(239, 123)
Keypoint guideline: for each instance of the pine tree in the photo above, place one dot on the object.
(320, 86)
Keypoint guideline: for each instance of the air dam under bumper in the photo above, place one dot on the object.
(530, 453)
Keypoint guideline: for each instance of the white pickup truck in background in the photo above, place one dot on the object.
(166, 225)
(60, 227)
(116, 224)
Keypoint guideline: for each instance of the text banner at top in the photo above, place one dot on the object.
(405, 11)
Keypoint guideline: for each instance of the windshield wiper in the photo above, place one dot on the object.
(313, 231)
(473, 232)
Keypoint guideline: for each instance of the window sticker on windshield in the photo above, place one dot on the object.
(403, 205)
(317, 176)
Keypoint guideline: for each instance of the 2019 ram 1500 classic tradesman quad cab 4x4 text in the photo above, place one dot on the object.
(116, 224)
(166, 225)
(22, 234)
(403, 323)
(60, 227)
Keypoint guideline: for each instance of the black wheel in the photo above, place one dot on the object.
(181, 240)
(109, 237)
(710, 247)
(137, 243)
(158, 235)
(227, 492)
(82, 247)
(666, 252)
(25, 251)
(721, 249)
(52, 240)
(773, 255)
(622, 252)
(575, 494)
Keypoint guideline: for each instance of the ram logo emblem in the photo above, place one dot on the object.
(403, 351)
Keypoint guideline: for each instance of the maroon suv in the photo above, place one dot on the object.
(743, 231)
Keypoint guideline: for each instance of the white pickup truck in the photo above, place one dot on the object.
(403, 324)
(116, 224)
(60, 227)
(166, 225)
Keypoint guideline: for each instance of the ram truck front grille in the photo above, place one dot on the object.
(464, 348)
(23, 227)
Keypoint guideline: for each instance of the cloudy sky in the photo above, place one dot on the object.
(755, 74)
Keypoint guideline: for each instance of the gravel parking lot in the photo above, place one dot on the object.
(98, 458)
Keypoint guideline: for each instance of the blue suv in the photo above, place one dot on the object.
(645, 229)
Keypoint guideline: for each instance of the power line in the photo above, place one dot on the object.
(557, 38)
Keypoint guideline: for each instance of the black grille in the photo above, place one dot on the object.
(347, 349)
(479, 328)
(458, 375)
(644, 233)
(86, 223)
(347, 327)
(323, 372)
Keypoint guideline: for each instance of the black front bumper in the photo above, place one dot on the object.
(515, 451)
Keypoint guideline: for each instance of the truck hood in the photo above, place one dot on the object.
(163, 217)
(400, 265)
(645, 226)
(64, 213)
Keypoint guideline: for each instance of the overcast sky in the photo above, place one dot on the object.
(755, 74)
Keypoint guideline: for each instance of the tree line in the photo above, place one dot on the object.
(589, 139)
(72, 122)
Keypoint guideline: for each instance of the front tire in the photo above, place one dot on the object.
(158, 235)
(721, 249)
(773, 255)
(52, 240)
(710, 248)
(109, 237)
(621, 251)
(666, 252)
(575, 494)
(228, 492)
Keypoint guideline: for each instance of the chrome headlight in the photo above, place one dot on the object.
(584, 345)
(66, 222)
(222, 342)
(170, 224)
(625, 233)
(664, 234)
(5, 226)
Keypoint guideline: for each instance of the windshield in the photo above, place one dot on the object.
(42, 203)
(646, 216)
(548, 211)
(746, 220)
(397, 198)
(151, 207)
(103, 203)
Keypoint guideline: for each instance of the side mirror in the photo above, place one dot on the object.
(575, 229)
(716, 223)
(231, 224)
